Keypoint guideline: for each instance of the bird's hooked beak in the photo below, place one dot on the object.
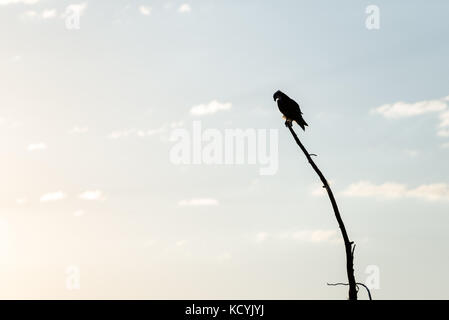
(276, 95)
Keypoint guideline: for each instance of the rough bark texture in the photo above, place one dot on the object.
(347, 242)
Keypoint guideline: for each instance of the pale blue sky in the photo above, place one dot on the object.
(269, 236)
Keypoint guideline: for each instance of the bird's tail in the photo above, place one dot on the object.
(302, 123)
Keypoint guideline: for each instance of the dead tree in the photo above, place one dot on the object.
(349, 245)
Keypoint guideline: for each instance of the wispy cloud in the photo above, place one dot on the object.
(21, 201)
(430, 192)
(78, 130)
(8, 2)
(176, 124)
(92, 195)
(303, 236)
(16, 58)
(28, 15)
(37, 146)
(123, 133)
(53, 196)
(35, 15)
(411, 153)
(403, 109)
(210, 108)
(180, 243)
(314, 236)
(9, 123)
(261, 236)
(198, 202)
(368, 189)
(223, 257)
(145, 10)
(184, 8)
(443, 127)
(142, 133)
(149, 243)
(49, 13)
(136, 132)
(392, 190)
(318, 190)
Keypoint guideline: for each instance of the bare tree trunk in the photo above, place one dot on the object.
(348, 243)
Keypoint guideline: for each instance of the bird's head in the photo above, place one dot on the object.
(277, 95)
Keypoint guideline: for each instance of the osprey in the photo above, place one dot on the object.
(290, 109)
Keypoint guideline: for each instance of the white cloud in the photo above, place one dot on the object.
(53, 196)
(429, 192)
(368, 189)
(122, 133)
(411, 153)
(318, 190)
(5, 122)
(8, 2)
(48, 14)
(210, 108)
(445, 145)
(261, 237)
(315, 236)
(176, 124)
(37, 146)
(404, 109)
(225, 256)
(28, 15)
(444, 124)
(303, 236)
(21, 201)
(149, 243)
(16, 58)
(137, 132)
(180, 243)
(34, 15)
(443, 132)
(78, 130)
(198, 202)
(145, 10)
(151, 132)
(91, 195)
(184, 8)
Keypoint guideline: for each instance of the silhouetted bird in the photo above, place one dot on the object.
(290, 109)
